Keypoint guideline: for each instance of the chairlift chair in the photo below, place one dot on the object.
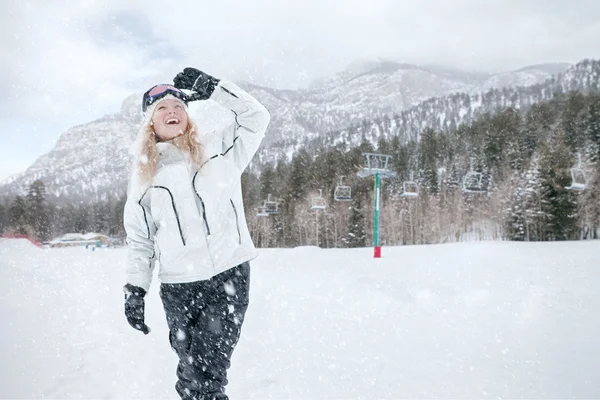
(441, 173)
(578, 180)
(473, 181)
(271, 206)
(318, 203)
(342, 193)
(410, 188)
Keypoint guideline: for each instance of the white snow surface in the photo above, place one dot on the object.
(465, 320)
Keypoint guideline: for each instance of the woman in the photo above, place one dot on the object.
(184, 208)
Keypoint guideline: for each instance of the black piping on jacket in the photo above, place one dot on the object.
(202, 202)
(236, 128)
(237, 221)
(228, 91)
(145, 218)
(148, 229)
(238, 125)
(174, 210)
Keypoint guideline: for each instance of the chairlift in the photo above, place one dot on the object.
(473, 181)
(318, 203)
(271, 206)
(342, 193)
(410, 188)
(578, 180)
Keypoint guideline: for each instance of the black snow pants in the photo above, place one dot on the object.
(205, 320)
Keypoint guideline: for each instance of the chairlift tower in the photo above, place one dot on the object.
(376, 164)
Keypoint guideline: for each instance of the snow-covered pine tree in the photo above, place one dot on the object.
(356, 236)
(37, 211)
(558, 205)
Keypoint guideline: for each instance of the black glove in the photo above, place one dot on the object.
(134, 307)
(191, 78)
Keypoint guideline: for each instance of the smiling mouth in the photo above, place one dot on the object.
(172, 121)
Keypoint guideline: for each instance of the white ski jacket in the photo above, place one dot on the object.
(192, 219)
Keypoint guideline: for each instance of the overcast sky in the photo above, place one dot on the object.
(65, 63)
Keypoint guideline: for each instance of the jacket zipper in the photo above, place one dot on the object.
(237, 221)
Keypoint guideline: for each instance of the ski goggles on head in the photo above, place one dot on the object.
(157, 92)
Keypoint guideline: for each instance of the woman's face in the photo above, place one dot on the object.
(169, 119)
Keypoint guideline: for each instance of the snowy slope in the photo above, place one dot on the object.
(469, 320)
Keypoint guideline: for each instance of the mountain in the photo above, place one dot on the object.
(447, 112)
(525, 76)
(365, 90)
(370, 90)
(88, 159)
(92, 160)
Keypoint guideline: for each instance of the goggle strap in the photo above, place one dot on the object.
(149, 100)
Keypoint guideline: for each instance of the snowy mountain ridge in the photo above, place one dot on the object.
(92, 160)
(447, 112)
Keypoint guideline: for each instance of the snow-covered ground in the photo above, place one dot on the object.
(468, 320)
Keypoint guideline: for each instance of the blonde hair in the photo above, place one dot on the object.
(147, 157)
